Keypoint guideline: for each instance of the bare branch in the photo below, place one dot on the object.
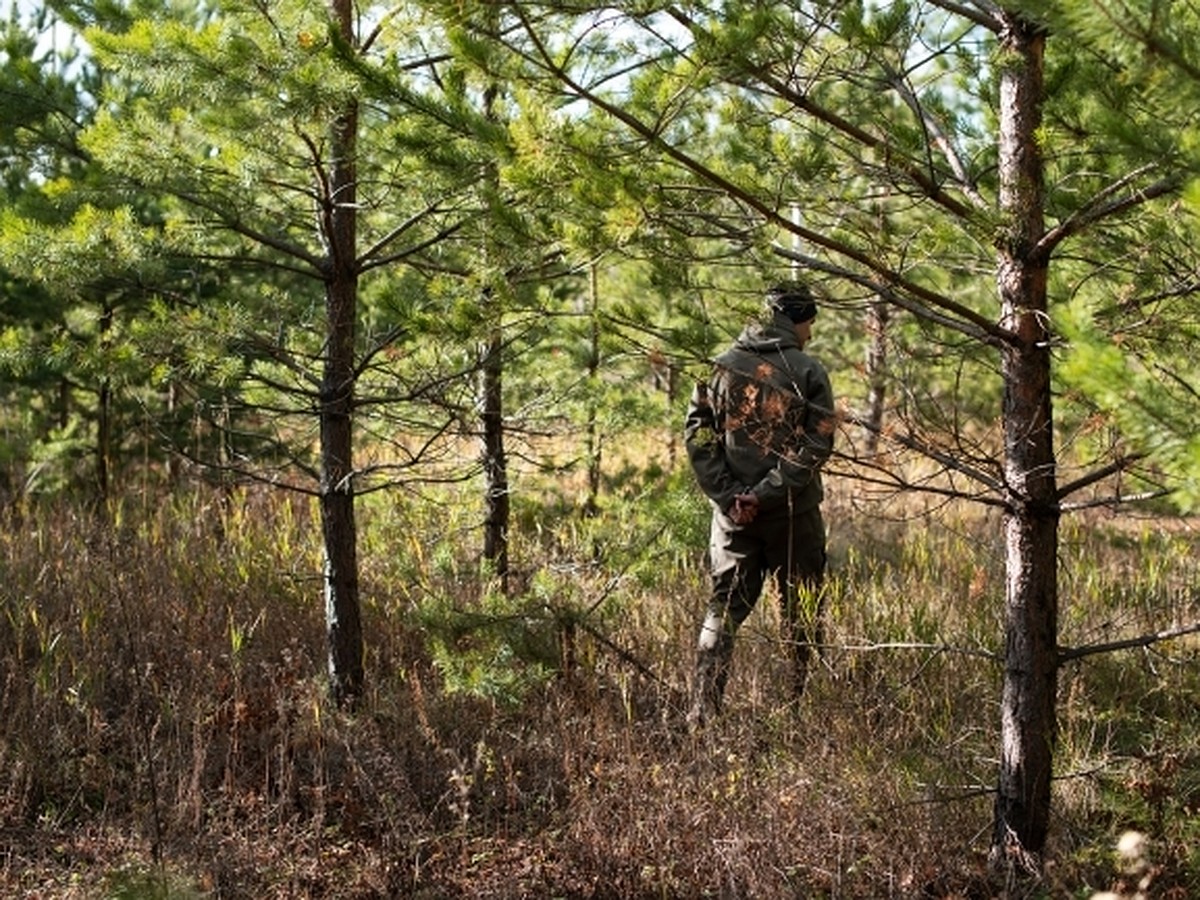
(368, 261)
(941, 140)
(1104, 205)
(783, 89)
(1178, 380)
(257, 474)
(625, 655)
(408, 252)
(984, 15)
(890, 480)
(221, 211)
(929, 187)
(1116, 500)
(1069, 654)
(1119, 464)
(770, 214)
(916, 645)
(969, 322)
(928, 450)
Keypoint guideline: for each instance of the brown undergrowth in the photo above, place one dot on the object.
(166, 732)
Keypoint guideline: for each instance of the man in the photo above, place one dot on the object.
(757, 435)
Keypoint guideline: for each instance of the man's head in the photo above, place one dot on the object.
(794, 300)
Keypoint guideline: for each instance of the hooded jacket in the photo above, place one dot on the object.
(764, 423)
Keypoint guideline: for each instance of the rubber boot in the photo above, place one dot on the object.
(803, 645)
(713, 656)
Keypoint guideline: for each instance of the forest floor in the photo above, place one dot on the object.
(167, 731)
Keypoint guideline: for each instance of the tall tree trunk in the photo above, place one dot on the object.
(1028, 727)
(170, 469)
(877, 318)
(495, 463)
(64, 403)
(878, 315)
(593, 450)
(104, 418)
(342, 613)
(103, 439)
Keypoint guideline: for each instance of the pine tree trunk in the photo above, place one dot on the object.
(878, 315)
(495, 463)
(342, 613)
(103, 440)
(593, 450)
(497, 505)
(1028, 727)
(104, 419)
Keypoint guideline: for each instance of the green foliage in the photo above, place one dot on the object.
(499, 649)
(1130, 388)
(134, 883)
(160, 241)
(218, 105)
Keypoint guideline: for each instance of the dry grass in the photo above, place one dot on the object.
(166, 732)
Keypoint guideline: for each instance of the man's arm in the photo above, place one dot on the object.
(703, 434)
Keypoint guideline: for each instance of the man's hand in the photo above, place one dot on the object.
(745, 508)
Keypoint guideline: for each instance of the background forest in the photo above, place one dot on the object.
(350, 547)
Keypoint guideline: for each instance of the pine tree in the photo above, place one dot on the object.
(965, 166)
(327, 163)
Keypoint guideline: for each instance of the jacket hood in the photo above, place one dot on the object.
(768, 337)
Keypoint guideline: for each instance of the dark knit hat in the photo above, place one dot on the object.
(794, 300)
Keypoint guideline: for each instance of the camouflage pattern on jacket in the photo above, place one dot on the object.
(764, 423)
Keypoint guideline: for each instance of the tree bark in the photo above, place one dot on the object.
(497, 505)
(342, 612)
(495, 462)
(104, 418)
(878, 316)
(593, 450)
(1028, 724)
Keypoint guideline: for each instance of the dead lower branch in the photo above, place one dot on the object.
(1068, 654)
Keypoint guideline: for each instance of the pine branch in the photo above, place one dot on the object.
(1069, 654)
(919, 645)
(1119, 464)
(985, 328)
(968, 323)
(986, 15)
(1106, 204)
